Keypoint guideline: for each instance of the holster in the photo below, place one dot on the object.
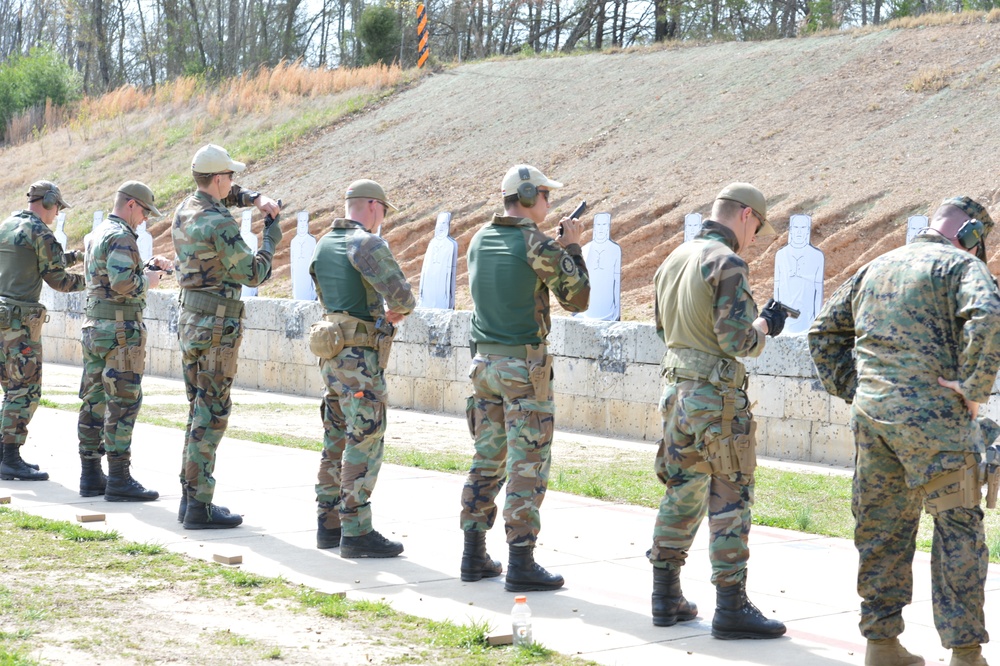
(34, 323)
(727, 452)
(124, 358)
(539, 370)
(30, 315)
(220, 360)
(6, 316)
(966, 488)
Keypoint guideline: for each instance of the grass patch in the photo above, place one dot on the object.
(929, 80)
(67, 531)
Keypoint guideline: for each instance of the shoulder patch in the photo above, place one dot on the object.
(567, 265)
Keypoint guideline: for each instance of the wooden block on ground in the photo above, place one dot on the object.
(90, 517)
(500, 639)
(4, 500)
(228, 559)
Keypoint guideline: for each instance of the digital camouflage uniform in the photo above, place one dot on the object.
(353, 271)
(704, 311)
(212, 261)
(922, 311)
(29, 253)
(512, 268)
(111, 397)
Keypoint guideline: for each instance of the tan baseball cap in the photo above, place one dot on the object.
(748, 195)
(523, 173)
(40, 188)
(367, 189)
(215, 159)
(133, 189)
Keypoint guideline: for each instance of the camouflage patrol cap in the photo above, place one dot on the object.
(367, 189)
(747, 195)
(40, 188)
(973, 209)
(133, 189)
(212, 159)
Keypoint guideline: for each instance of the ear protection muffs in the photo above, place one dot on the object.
(527, 193)
(49, 200)
(970, 234)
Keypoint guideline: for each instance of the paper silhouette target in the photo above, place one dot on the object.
(251, 240)
(798, 275)
(145, 242)
(437, 276)
(603, 257)
(301, 252)
(914, 225)
(692, 225)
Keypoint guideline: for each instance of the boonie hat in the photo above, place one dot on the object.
(133, 189)
(40, 188)
(747, 195)
(213, 159)
(367, 189)
(514, 177)
(973, 209)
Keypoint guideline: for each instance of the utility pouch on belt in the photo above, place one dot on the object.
(30, 315)
(325, 339)
(702, 366)
(220, 360)
(6, 316)
(539, 370)
(337, 330)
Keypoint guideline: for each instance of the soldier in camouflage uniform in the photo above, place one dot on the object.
(212, 262)
(29, 253)
(912, 340)
(706, 316)
(114, 346)
(353, 271)
(512, 268)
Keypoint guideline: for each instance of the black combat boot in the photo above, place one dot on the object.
(121, 487)
(12, 467)
(476, 562)
(202, 516)
(669, 604)
(524, 575)
(372, 544)
(92, 479)
(188, 491)
(736, 617)
(328, 530)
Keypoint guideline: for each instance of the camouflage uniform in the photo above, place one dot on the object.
(919, 312)
(512, 427)
(212, 262)
(353, 271)
(111, 397)
(29, 253)
(704, 311)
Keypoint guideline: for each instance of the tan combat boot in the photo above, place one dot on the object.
(968, 656)
(888, 652)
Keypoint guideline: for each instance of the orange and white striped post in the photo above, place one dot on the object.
(423, 50)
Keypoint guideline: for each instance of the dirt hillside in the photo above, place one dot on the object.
(847, 128)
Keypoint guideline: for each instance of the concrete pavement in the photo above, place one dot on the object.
(601, 614)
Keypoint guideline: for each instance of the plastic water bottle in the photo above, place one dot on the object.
(520, 617)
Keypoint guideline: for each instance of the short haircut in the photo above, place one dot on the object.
(121, 199)
(204, 179)
(510, 200)
(726, 209)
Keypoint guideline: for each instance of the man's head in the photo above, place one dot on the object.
(213, 170)
(955, 220)
(602, 227)
(365, 202)
(798, 230)
(134, 203)
(525, 192)
(742, 208)
(45, 200)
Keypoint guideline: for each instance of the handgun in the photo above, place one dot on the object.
(575, 215)
(149, 266)
(268, 220)
(791, 313)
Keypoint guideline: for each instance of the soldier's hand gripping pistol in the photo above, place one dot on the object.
(775, 313)
(384, 334)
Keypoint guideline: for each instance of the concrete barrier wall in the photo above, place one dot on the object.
(607, 378)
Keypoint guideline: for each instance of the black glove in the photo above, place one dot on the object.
(775, 318)
(72, 257)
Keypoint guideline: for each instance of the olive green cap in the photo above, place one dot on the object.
(133, 189)
(367, 189)
(746, 194)
(40, 188)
